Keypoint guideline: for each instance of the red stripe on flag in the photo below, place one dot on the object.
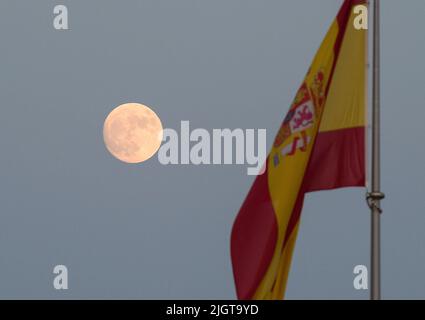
(337, 161)
(254, 238)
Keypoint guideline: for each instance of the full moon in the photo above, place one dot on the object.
(132, 132)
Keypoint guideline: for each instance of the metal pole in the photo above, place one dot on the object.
(375, 196)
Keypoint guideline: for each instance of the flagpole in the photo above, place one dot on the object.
(375, 196)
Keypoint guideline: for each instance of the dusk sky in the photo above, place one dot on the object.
(145, 231)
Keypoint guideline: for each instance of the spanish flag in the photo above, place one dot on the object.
(320, 146)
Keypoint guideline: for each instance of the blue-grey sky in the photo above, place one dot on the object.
(153, 231)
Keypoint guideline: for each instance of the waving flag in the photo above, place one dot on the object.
(320, 146)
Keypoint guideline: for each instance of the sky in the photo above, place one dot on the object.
(149, 231)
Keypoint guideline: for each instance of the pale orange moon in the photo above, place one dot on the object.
(132, 132)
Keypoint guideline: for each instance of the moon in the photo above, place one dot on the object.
(132, 132)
